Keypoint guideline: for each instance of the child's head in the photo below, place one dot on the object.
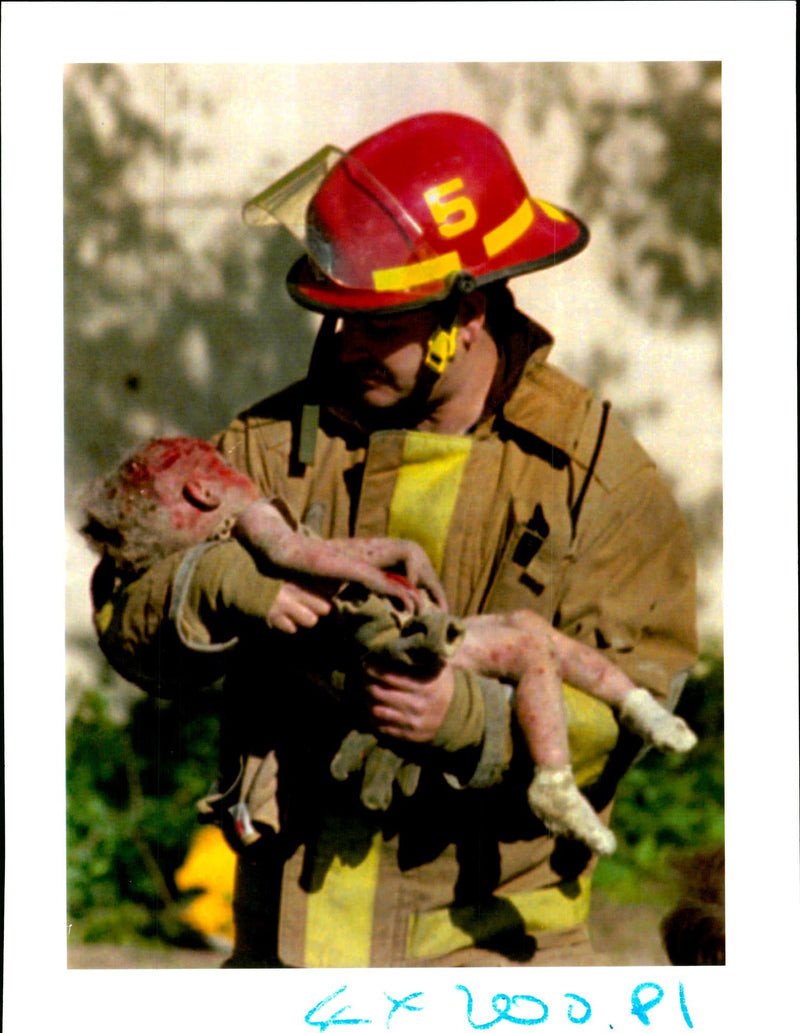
(173, 493)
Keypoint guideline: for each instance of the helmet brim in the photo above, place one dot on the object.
(312, 289)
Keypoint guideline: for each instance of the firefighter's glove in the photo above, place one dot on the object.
(386, 636)
(382, 767)
(389, 637)
(472, 747)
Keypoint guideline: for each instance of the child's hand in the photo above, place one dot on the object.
(381, 555)
(295, 607)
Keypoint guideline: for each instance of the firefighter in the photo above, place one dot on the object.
(430, 412)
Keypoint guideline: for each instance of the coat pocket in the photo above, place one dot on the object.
(534, 558)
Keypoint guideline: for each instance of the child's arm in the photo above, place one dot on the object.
(264, 528)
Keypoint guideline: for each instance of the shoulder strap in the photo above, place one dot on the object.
(309, 420)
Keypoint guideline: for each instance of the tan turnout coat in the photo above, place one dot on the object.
(548, 505)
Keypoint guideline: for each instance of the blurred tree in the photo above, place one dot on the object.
(647, 145)
(131, 788)
(649, 163)
(159, 337)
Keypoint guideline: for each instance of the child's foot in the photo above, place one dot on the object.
(556, 800)
(645, 717)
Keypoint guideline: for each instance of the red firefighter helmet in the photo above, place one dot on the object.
(428, 204)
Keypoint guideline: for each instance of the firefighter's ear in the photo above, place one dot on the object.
(202, 495)
(472, 315)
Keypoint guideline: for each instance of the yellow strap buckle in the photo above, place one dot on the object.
(441, 349)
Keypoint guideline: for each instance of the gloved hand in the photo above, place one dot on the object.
(462, 731)
(472, 743)
(382, 767)
(386, 636)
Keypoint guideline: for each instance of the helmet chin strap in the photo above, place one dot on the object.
(441, 347)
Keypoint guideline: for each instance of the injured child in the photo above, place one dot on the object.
(178, 492)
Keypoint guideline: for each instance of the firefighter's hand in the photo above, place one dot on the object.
(408, 708)
(295, 607)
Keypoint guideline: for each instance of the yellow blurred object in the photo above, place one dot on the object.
(210, 865)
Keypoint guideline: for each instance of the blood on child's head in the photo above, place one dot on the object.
(173, 493)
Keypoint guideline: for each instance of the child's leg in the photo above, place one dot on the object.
(540, 711)
(504, 647)
(558, 803)
(638, 711)
(553, 794)
(645, 717)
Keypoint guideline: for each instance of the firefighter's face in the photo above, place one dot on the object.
(383, 357)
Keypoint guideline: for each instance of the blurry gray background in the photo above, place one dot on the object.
(176, 316)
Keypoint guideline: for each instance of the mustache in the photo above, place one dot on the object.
(368, 369)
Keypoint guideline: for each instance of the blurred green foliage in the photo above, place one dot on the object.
(131, 789)
(670, 808)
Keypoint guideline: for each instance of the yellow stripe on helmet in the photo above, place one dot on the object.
(509, 231)
(417, 274)
(552, 211)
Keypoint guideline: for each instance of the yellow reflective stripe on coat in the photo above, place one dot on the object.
(592, 733)
(339, 913)
(426, 490)
(102, 618)
(432, 934)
